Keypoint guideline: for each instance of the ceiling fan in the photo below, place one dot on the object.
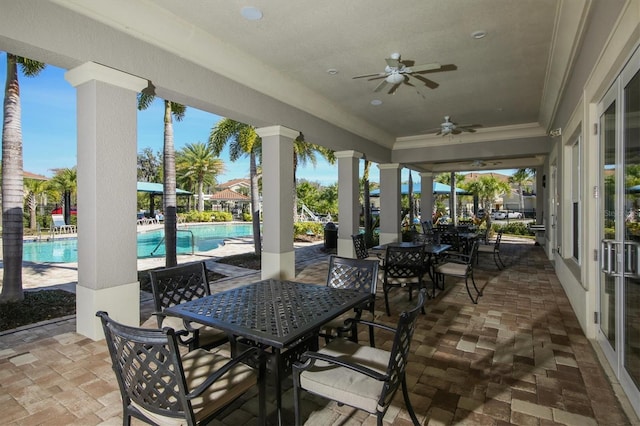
(448, 127)
(397, 72)
(481, 163)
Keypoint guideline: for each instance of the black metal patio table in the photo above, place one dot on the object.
(282, 317)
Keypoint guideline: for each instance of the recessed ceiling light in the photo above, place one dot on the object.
(332, 71)
(479, 34)
(376, 102)
(251, 13)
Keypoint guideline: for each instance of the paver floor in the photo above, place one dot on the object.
(517, 357)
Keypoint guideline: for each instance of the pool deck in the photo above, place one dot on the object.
(65, 275)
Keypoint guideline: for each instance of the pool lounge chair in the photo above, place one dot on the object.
(59, 226)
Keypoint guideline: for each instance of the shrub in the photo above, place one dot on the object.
(307, 228)
(247, 217)
(206, 216)
(221, 217)
(513, 228)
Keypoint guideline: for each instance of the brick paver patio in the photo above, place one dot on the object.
(517, 357)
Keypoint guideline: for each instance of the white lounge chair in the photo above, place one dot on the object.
(58, 225)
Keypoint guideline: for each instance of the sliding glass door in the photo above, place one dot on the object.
(619, 286)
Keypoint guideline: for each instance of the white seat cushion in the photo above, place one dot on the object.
(198, 365)
(345, 385)
(486, 249)
(450, 268)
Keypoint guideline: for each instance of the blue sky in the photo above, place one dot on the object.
(49, 130)
(48, 105)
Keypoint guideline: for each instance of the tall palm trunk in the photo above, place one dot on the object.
(200, 196)
(12, 187)
(411, 201)
(170, 204)
(368, 222)
(255, 203)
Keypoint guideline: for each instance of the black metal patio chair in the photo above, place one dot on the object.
(460, 266)
(404, 267)
(361, 376)
(179, 284)
(353, 274)
(160, 386)
(493, 249)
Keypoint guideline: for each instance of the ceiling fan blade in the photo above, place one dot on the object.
(380, 86)
(447, 67)
(393, 89)
(429, 83)
(408, 63)
(378, 74)
(425, 67)
(456, 131)
(439, 132)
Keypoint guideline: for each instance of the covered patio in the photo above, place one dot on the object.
(536, 80)
(518, 357)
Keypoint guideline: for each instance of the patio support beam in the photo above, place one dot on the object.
(278, 255)
(348, 200)
(107, 246)
(390, 203)
(426, 196)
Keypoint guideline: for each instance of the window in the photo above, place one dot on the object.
(575, 200)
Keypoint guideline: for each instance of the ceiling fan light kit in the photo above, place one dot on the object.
(398, 72)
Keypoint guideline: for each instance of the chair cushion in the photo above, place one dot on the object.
(198, 365)
(450, 268)
(486, 249)
(206, 335)
(345, 385)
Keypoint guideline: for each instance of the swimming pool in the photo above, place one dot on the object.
(150, 244)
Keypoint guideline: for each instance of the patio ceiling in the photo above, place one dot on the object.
(509, 81)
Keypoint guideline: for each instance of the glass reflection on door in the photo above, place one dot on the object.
(631, 139)
(608, 215)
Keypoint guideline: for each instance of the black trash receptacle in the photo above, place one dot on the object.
(330, 236)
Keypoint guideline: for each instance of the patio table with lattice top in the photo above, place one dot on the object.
(283, 317)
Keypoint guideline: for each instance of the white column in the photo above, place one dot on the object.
(348, 200)
(278, 255)
(390, 203)
(107, 151)
(426, 196)
(540, 195)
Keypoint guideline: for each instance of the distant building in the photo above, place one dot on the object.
(236, 185)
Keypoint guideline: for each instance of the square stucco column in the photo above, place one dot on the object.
(107, 152)
(390, 203)
(426, 196)
(278, 255)
(348, 200)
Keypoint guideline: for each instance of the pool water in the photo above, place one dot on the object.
(150, 244)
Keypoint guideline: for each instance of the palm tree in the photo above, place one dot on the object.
(197, 163)
(521, 178)
(65, 183)
(12, 178)
(171, 110)
(487, 188)
(34, 189)
(368, 222)
(243, 141)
